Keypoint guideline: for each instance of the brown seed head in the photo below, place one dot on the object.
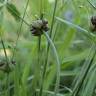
(39, 26)
(93, 20)
(93, 24)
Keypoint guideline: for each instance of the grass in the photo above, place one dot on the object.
(60, 62)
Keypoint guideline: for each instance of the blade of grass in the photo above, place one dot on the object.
(85, 69)
(91, 4)
(90, 82)
(84, 31)
(17, 15)
(58, 63)
(50, 92)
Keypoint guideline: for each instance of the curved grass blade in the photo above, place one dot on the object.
(10, 8)
(58, 63)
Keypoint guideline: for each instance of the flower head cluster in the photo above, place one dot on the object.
(39, 26)
(93, 23)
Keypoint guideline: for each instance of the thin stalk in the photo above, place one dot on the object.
(7, 65)
(14, 50)
(41, 9)
(57, 62)
(39, 53)
(7, 61)
(47, 54)
(50, 34)
(7, 85)
(39, 47)
(53, 18)
(19, 31)
(43, 76)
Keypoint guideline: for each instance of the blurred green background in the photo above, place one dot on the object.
(71, 42)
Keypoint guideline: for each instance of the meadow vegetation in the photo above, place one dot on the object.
(47, 48)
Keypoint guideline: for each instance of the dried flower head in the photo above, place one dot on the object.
(39, 26)
(93, 23)
(7, 68)
(93, 20)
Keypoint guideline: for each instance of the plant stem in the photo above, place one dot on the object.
(57, 62)
(47, 54)
(7, 66)
(19, 31)
(7, 61)
(7, 85)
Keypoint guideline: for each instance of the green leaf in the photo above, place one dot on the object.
(90, 35)
(57, 60)
(13, 11)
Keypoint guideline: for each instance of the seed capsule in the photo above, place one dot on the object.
(7, 68)
(93, 20)
(93, 23)
(39, 26)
